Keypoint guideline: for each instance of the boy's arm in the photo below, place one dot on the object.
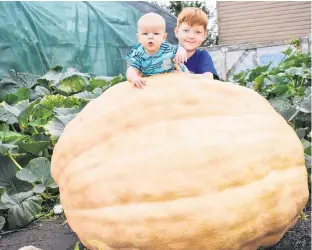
(180, 55)
(206, 66)
(134, 76)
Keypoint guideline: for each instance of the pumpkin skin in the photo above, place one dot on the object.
(185, 163)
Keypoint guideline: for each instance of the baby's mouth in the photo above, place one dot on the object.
(150, 43)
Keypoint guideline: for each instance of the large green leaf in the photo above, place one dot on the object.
(11, 137)
(26, 116)
(4, 127)
(13, 80)
(21, 94)
(8, 178)
(295, 71)
(283, 107)
(2, 222)
(38, 92)
(32, 147)
(69, 82)
(9, 113)
(6, 149)
(86, 95)
(305, 105)
(23, 207)
(62, 117)
(37, 171)
(56, 126)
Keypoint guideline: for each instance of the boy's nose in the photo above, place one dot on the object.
(190, 35)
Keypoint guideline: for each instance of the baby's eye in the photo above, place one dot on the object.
(156, 34)
(144, 34)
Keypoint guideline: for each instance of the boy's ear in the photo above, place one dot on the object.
(176, 32)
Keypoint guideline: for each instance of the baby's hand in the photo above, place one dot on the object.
(138, 82)
(181, 68)
(180, 56)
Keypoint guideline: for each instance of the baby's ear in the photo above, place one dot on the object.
(165, 36)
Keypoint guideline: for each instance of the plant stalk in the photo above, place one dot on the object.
(36, 130)
(15, 162)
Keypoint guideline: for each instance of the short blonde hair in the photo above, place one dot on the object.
(192, 16)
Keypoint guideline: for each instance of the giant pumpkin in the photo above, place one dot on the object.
(186, 163)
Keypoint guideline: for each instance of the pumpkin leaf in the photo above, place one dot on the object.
(283, 107)
(86, 95)
(295, 71)
(305, 105)
(38, 170)
(38, 92)
(301, 132)
(2, 222)
(21, 94)
(56, 126)
(307, 160)
(12, 81)
(11, 137)
(6, 149)
(53, 76)
(66, 111)
(69, 82)
(32, 147)
(22, 208)
(4, 127)
(39, 188)
(9, 113)
(8, 179)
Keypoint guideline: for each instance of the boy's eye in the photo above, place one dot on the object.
(198, 32)
(185, 30)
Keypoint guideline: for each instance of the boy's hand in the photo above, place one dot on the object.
(180, 56)
(138, 82)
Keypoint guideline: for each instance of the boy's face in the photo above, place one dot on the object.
(190, 37)
(151, 37)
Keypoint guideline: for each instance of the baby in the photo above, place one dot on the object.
(153, 55)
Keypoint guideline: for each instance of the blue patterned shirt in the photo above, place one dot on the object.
(160, 62)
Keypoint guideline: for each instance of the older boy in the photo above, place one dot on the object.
(191, 32)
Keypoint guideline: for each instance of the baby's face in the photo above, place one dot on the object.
(151, 37)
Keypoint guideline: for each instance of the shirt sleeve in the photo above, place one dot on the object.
(174, 48)
(206, 65)
(133, 58)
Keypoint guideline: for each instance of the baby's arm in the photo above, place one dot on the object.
(134, 76)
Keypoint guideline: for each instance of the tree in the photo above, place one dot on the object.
(175, 7)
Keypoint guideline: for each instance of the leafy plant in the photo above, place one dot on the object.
(288, 88)
(33, 113)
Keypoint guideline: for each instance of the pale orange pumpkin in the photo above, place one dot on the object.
(186, 163)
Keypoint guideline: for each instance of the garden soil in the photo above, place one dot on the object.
(57, 235)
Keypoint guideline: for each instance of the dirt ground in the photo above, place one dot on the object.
(55, 235)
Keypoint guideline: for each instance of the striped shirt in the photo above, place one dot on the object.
(161, 62)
